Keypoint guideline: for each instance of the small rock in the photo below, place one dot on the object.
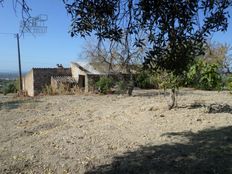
(162, 115)
(199, 119)
(150, 109)
(120, 96)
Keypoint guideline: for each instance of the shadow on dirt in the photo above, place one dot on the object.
(166, 93)
(212, 108)
(147, 93)
(16, 103)
(220, 108)
(208, 151)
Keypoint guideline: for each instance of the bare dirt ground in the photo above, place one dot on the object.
(117, 134)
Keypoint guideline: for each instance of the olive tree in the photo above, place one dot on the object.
(220, 54)
(177, 30)
(113, 22)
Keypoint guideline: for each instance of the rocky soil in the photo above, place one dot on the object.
(117, 133)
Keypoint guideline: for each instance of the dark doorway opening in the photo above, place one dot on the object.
(81, 81)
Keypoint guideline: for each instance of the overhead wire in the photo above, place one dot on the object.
(2, 33)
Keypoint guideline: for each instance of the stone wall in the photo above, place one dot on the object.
(28, 83)
(76, 71)
(80, 75)
(42, 77)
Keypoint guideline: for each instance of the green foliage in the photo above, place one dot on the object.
(174, 34)
(229, 86)
(2, 84)
(168, 80)
(158, 79)
(228, 82)
(121, 87)
(204, 76)
(146, 80)
(211, 78)
(104, 84)
(16, 82)
(10, 88)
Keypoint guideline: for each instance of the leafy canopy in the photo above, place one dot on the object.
(176, 29)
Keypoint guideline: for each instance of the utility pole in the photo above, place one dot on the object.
(19, 60)
(32, 25)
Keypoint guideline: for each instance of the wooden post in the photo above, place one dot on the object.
(19, 61)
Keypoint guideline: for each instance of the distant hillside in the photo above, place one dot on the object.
(8, 76)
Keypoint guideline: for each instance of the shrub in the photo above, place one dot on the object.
(17, 83)
(211, 78)
(62, 89)
(203, 75)
(168, 80)
(104, 84)
(146, 80)
(47, 90)
(121, 87)
(229, 86)
(9, 88)
(228, 82)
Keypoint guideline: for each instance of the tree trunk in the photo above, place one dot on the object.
(173, 101)
(130, 85)
(130, 90)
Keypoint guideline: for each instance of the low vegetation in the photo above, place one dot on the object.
(105, 84)
(62, 89)
(121, 87)
(8, 86)
(228, 82)
(203, 75)
(146, 80)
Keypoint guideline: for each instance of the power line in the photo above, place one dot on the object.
(8, 33)
(19, 58)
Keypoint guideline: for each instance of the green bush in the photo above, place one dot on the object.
(229, 86)
(168, 80)
(203, 75)
(104, 84)
(146, 80)
(17, 83)
(121, 87)
(9, 88)
(211, 78)
(228, 82)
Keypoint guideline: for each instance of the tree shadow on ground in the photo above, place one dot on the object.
(147, 93)
(207, 152)
(161, 92)
(16, 103)
(212, 108)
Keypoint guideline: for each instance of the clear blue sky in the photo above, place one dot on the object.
(56, 46)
